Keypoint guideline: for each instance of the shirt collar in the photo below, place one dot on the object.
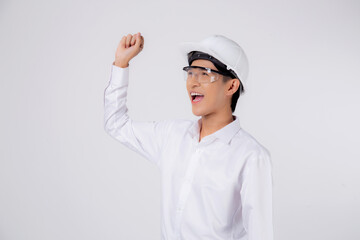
(224, 134)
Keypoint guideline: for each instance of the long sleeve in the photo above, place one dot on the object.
(143, 137)
(256, 196)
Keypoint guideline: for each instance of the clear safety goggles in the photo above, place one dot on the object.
(201, 74)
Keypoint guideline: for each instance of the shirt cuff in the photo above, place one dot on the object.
(119, 76)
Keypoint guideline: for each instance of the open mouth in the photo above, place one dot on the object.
(196, 97)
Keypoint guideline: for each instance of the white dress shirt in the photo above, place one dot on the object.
(219, 188)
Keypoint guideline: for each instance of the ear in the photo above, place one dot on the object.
(232, 86)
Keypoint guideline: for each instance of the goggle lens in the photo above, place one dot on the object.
(201, 74)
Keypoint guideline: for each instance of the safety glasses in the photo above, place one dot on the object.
(201, 74)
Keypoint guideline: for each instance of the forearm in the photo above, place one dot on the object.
(115, 109)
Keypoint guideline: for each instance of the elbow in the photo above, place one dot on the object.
(106, 128)
(113, 125)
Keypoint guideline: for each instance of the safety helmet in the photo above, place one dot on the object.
(223, 49)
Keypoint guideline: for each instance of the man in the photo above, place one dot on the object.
(216, 178)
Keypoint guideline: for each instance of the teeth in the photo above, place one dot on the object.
(194, 93)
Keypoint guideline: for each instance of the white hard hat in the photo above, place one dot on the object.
(225, 50)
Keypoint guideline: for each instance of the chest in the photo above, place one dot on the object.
(214, 166)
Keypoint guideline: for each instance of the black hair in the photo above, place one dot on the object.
(227, 74)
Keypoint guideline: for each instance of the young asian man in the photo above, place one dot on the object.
(216, 178)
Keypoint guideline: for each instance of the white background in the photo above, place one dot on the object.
(63, 177)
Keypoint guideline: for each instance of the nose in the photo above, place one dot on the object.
(193, 78)
(193, 81)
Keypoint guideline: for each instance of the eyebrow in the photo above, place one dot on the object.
(203, 68)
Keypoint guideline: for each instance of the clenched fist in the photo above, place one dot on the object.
(129, 47)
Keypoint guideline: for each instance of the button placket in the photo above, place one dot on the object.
(186, 187)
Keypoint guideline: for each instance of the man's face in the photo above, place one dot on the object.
(214, 98)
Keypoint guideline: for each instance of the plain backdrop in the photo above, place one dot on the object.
(63, 177)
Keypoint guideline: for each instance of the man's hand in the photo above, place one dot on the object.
(129, 47)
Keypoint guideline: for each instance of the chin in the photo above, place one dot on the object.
(198, 112)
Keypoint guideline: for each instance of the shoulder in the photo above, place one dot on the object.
(250, 147)
(177, 125)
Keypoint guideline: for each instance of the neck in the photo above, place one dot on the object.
(212, 122)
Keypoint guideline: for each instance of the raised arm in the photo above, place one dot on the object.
(144, 137)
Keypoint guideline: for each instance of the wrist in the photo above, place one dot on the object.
(122, 64)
